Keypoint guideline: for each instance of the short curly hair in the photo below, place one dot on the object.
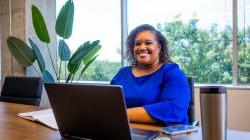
(164, 51)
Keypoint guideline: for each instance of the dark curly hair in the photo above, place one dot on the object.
(164, 51)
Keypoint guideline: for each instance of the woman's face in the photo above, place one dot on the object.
(146, 49)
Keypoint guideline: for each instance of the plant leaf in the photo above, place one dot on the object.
(39, 56)
(84, 48)
(47, 77)
(64, 21)
(89, 56)
(21, 51)
(82, 54)
(96, 42)
(39, 25)
(73, 68)
(88, 64)
(75, 60)
(64, 51)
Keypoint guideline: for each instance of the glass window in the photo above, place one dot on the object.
(244, 41)
(97, 20)
(198, 31)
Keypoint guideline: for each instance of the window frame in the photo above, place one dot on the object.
(234, 43)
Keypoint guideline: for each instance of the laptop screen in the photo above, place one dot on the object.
(89, 111)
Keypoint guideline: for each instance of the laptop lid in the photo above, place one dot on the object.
(89, 111)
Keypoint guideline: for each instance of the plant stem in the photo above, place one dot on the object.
(79, 77)
(65, 70)
(60, 69)
(73, 76)
(12, 65)
(36, 71)
(68, 78)
(52, 63)
(35, 68)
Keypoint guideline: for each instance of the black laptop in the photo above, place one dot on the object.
(90, 111)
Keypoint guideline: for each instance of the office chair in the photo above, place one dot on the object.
(191, 111)
(23, 90)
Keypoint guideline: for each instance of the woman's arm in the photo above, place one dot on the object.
(139, 115)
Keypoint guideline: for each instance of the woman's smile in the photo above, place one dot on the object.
(143, 53)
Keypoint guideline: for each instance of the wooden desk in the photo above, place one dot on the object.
(15, 128)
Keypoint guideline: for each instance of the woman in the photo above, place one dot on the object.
(155, 89)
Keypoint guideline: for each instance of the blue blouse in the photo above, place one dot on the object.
(164, 94)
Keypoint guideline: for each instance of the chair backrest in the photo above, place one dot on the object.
(25, 90)
(191, 111)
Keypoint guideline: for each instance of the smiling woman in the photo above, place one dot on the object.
(155, 89)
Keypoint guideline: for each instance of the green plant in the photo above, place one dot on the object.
(78, 61)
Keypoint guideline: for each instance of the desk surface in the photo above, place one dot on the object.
(15, 128)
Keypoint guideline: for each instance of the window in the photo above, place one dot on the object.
(244, 41)
(97, 20)
(199, 34)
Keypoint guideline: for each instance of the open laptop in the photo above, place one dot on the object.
(90, 111)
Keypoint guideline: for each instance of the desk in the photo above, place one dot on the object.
(15, 128)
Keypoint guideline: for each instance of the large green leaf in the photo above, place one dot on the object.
(47, 77)
(81, 51)
(88, 64)
(89, 56)
(64, 51)
(64, 21)
(96, 42)
(82, 54)
(84, 68)
(39, 25)
(75, 60)
(84, 50)
(39, 56)
(21, 51)
(73, 67)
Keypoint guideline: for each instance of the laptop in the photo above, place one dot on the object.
(90, 111)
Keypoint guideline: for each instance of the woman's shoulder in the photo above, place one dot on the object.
(125, 69)
(170, 66)
(172, 69)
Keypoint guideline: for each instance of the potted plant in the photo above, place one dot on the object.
(77, 62)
